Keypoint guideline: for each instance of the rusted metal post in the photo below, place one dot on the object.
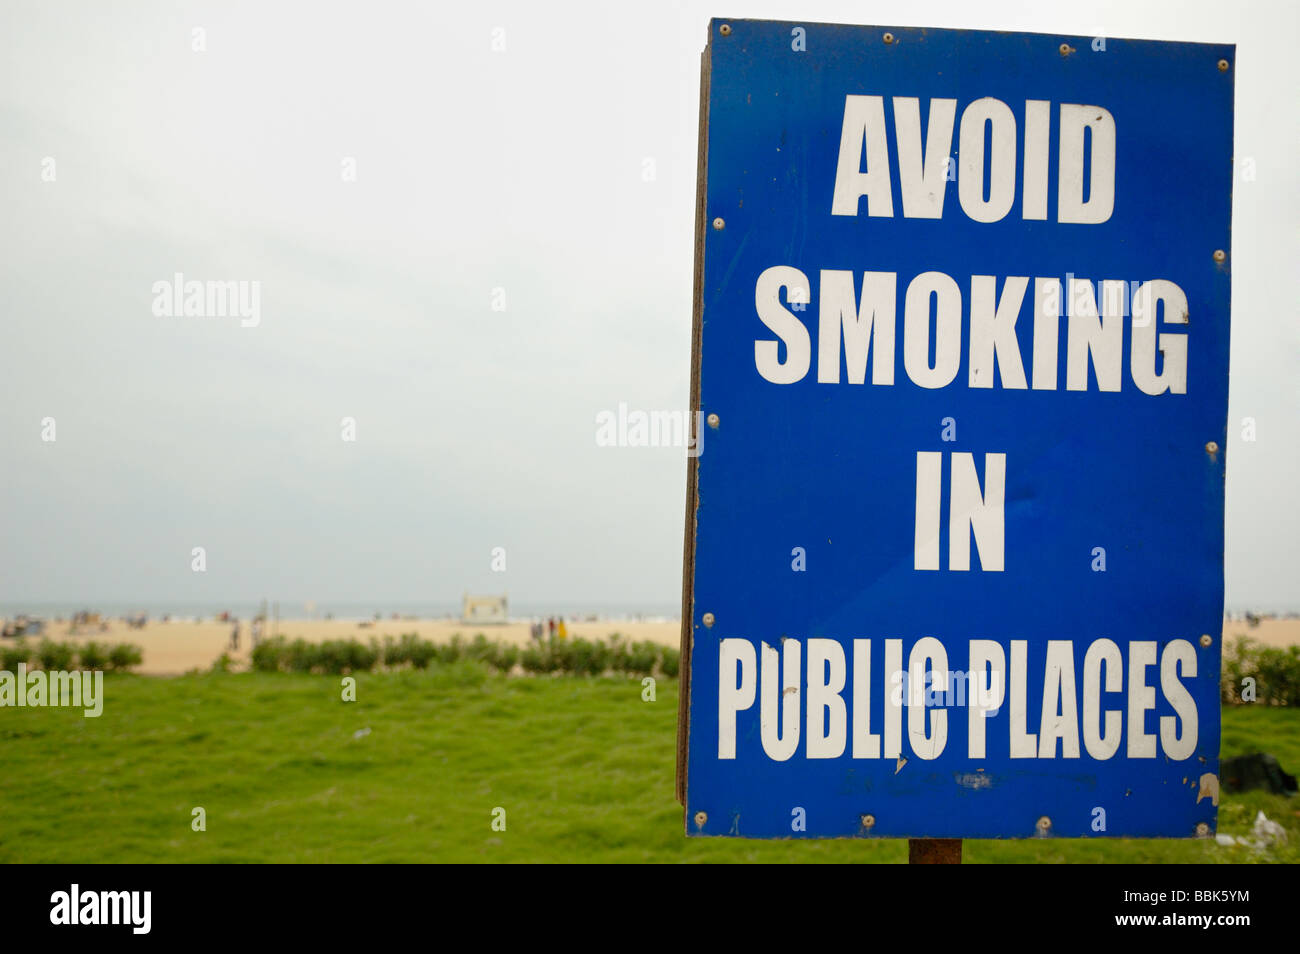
(934, 851)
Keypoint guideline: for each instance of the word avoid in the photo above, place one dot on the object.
(1086, 137)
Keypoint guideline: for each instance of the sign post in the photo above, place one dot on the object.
(934, 851)
(954, 555)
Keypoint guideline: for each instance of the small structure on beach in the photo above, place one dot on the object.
(484, 609)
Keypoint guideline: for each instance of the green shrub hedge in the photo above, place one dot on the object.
(1276, 672)
(579, 657)
(93, 656)
(336, 656)
(51, 655)
(123, 656)
(11, 654)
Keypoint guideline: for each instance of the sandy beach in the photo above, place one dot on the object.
(178, 646)
(1269, 632)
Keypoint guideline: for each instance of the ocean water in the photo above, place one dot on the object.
(649, 610)
(321, 609)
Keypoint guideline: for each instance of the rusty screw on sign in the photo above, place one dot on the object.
(1065, 49)
(1223, 66)
(700, 819)
(718, 224)
(1044, 825)
(868, 821)
(888, 38)
(725, 29)
(1212, 448)
(708, 619)
(1206, 640)
(1202, 829)
(713, 420)
(1220, 255)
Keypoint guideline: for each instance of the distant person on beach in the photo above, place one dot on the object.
(536, 630)
(234, 635)
(564, 633)
(255, 633)
(550, 627)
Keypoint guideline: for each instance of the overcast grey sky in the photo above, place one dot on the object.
(520, 169)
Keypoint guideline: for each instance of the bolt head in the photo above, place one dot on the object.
(888, 38)
(1206, 640)
(1202, 829)
(718, 224)
(700, 819)
(713, 420)
(868, 821)
(1220, 255)
(1064, 49)
(1044, 824)
(1212, 447)
(725, 30)
(708, 619)
(1223, 66)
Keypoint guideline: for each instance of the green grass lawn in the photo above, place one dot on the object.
(583, 768)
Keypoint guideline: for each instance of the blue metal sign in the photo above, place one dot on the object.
(955, 545)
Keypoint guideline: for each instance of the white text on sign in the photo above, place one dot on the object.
(1105, 714)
